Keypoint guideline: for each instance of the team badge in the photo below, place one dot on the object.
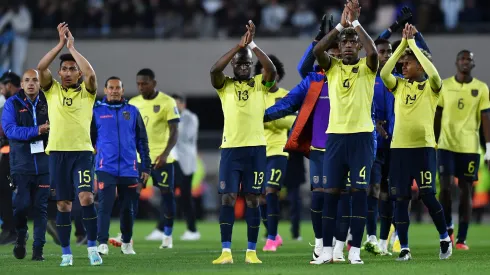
(53, 192)
(156, 108)
(441, 169)
(126, 115)
(315, 179)
(355, 70)
(393, 191)
(474, 92)
(324, 179)
(101, 185)
(251, 83)
(222, 185)
(421, 86)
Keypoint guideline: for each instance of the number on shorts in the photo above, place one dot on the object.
(362, 173)
(84, 176)
(348, 177)
(146, 119)
(164, 177)
(471, 167)
(425, 177)
(277, 173)
(259, 178)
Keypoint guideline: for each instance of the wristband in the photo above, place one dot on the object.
(355, 23)
(488, 147)
(252, 45)
(339, 27)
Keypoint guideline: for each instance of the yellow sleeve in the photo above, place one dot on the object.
(388, 79)
(485, 98)
(334, 62)
(440, 103)
(92, 96)
(435, 80)
(285, 122)
(227, 81)
(171, 112)
(258, 83)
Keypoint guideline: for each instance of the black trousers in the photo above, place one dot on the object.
(6, 207)
(185, 201)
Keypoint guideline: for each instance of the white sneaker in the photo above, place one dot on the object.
(103, 249)
(94, 256)
(190, 236)
(155, 235)
(318, 250)
(355, 255)
(383, 248)
(338, 252)
(325, 258)
(66, 260)
(166, 242)
(127, 249)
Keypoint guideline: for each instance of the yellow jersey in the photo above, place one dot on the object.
(70, 116)
(351, 91)
(157, 113)
(276, 132)
(461, 117)
(243, 104)
(415, 108)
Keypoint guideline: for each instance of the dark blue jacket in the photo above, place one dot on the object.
(19, 127)
(118, 131)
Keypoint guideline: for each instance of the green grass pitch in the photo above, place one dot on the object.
(292, 258)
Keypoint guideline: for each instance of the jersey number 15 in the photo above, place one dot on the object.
(67, 101)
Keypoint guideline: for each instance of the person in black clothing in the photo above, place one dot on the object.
(295, 176)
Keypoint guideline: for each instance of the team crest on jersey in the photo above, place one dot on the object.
(43, 110)
(251, 83)
(222, 185)
(156, 108)
(315, 179)
(355, 70)
(474, 92)
(421, 86)
(126, 115)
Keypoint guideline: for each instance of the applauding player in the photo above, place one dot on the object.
(413, 154)
(243, 150)
(69, 146)
(350, 143)
(466, 104)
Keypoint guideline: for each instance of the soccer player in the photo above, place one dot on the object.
(413, 154)
(243, 147)
(161, 117)
(24, 121)
(119, 132)
(466, 104)
(69, 146)
(349, 148)
(276, 134)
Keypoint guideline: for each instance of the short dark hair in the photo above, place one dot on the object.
(113, 78)
(463, 52)
(348, 31)
(179, 96)
(10, 77)
(146, 72)
(409, 52)
(381, 41)
(277, 63)
(334, 45)
(67, 57)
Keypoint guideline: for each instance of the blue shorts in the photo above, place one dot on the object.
(245, 165)
(70, 173)
(460, 165)
(163, 178)
(408, 164)
(379, 171)
(348, 154)
(104, 179)
(275, 172)
(316, 168)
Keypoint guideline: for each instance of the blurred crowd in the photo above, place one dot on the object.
(222, 18)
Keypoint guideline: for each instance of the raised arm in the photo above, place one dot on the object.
(403, 18)
(435, 80)
(354, 11)
(217, 75)
(88, 72)
(269, 76)
(388, 79)
(307, 61)
(46, 79)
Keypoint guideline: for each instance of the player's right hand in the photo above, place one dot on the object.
(144, 178)
(44, 129)
(62, 31)
(380, 129)
(243, 42)
(343, 20)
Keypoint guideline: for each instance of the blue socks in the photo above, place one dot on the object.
(226, 221)
(272, 215)
(263, 214)
(372, 215)
(317, 199)
(435, 211)
(63, 227)
(358, 219)
(329, 217)
(252, 216)
(343, 217)
(386, 218)
(402, 221)
(462, 231)
(168, 212)
(89, 216)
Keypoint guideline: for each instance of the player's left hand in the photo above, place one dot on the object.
(354, 10)
(414, 30)
(409, 31)
(161, 161)
(144, 178)
(251, 31)
(380, 129)
(70, 41)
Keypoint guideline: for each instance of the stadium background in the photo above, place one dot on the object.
(180, 40)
